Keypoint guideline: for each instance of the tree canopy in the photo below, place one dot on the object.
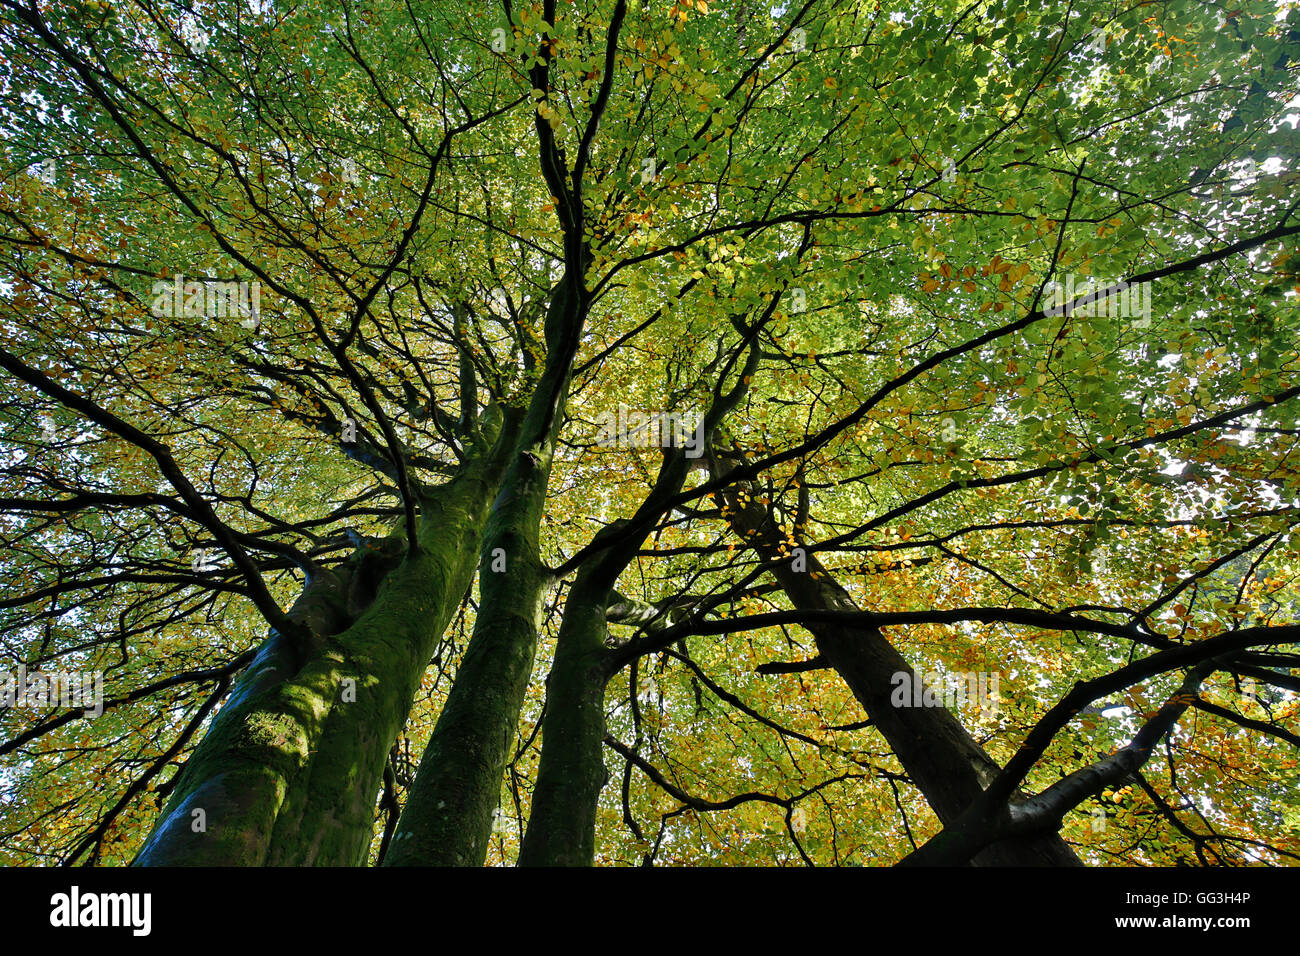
(542, 432)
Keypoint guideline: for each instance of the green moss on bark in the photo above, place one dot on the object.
(288, 771)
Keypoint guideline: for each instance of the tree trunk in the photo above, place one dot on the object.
(949, 768)
(562, 825)
(289, 770)
(447, 820)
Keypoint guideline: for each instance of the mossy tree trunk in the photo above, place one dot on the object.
(448, 816)
(562, 823)
(447, 819)
(289, 770)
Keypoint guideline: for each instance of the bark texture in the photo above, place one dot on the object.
(562, 825)
(289, 770)
(447, 820)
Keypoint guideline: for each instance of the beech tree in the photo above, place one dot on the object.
(626, 433)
